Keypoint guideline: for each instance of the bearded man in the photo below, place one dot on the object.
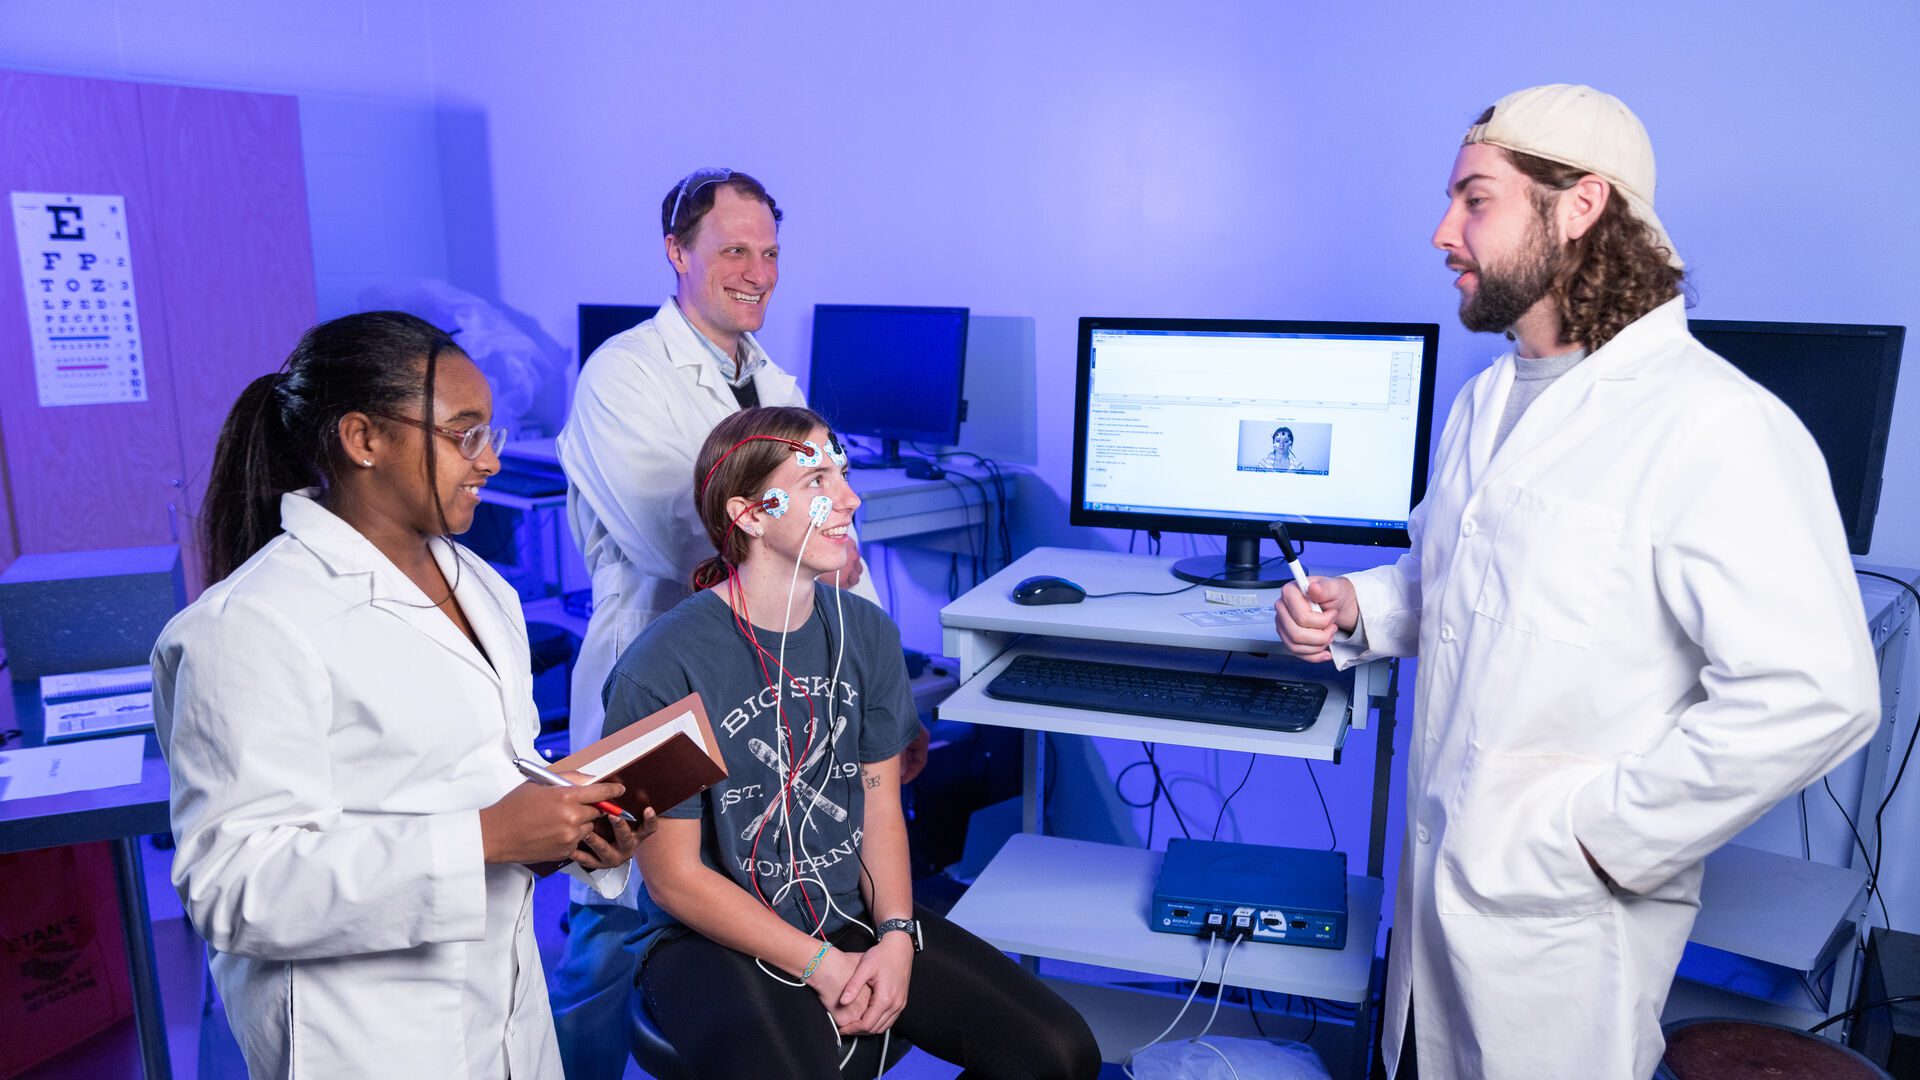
(1613, 680)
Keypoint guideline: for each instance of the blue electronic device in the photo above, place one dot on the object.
(1290, 896)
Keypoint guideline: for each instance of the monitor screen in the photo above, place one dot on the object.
(598, 322)
(1839, 380)
(892, 373)
(1204, 425)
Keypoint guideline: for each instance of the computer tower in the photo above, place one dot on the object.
(1890, 1035)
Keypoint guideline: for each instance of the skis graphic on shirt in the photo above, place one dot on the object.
(771, 760)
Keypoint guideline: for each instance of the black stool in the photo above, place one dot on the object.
(653, 1053)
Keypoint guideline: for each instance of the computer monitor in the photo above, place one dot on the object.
(1839, 380)
(598, 322)
(891, 373)
(1225, 425)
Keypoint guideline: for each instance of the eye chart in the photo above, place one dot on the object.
(77, 266)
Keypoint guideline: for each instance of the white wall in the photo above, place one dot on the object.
(362, 69)
(1224, 159)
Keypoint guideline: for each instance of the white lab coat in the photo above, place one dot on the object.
(331, 738)
(1638, 629)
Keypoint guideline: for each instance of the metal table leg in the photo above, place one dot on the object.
(147, 1017)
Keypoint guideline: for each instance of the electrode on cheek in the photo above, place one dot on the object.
(819, 509)
(776, 502)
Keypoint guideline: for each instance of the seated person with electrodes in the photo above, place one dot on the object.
(771, 944)
(1281, 458)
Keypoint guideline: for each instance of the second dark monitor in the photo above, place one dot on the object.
(891, 373)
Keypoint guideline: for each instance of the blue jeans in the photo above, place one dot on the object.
(589, 991)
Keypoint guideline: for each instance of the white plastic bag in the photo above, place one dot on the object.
(515, 365)
(1244, 1059)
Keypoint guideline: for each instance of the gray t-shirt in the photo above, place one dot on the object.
(698, 648)
(1531, 379)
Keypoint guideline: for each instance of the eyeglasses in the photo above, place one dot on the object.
(691, 185)
(473, 441)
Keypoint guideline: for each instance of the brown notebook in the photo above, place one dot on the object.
(664, 759)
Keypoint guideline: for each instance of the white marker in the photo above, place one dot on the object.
(1288, 552)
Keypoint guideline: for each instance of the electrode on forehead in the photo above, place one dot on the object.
(835, 450)
(809, 459)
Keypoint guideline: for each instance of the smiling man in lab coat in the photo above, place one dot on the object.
(645, 402)
(1637, 624)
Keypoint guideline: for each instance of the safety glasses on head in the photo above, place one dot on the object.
(472, 441)
(690, 187)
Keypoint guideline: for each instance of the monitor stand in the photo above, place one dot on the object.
(889, 458)
(1240, 568)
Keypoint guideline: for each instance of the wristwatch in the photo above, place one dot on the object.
(910, 926)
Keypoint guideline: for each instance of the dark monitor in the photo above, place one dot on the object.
(598, 322)
(1839, 380)
(892, 373)
(1224, 425)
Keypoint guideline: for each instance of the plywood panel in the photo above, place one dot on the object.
(87, 476)
(225, 170)
(9, 545)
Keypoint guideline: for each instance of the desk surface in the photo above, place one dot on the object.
(80, 816)
(1885, 602)
(1146, 620)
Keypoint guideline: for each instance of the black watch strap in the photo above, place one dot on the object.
(911, 927)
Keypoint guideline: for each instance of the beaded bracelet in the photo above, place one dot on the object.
(814, 963)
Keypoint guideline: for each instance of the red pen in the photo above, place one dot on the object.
(539, 773)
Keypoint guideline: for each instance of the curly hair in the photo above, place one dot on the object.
(1612, 275)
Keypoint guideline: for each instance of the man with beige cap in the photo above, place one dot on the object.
(1637, 623)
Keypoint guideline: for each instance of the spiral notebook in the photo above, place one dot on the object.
(85, 704)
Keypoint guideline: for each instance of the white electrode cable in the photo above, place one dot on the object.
(823, 728)
(786, 757)
(784, 754)
(1220, 991)
(1126, 1066)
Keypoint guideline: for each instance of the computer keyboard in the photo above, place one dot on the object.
(1239, 700)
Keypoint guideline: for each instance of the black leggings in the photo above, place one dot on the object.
(967, 1004)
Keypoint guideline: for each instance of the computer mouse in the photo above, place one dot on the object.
(1047, 589)
(925, 470)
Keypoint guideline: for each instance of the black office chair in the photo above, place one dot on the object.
(654, 1054)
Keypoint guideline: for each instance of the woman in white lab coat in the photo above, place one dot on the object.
(340, 712)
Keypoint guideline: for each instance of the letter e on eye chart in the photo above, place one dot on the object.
(76, 266)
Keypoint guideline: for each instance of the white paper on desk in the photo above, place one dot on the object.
(82, 766)
(1229, 616)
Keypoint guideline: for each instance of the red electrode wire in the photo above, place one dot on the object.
(744, 622)
(708, 479)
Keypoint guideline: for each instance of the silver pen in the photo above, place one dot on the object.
(539, 773)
